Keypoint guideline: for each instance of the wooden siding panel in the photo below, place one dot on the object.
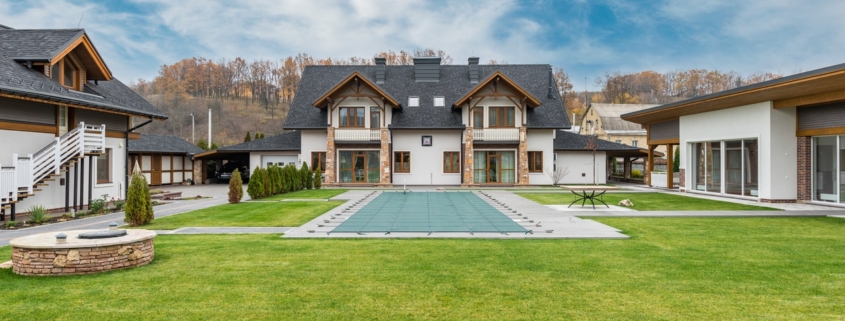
(27, 111)
(664, 130)
(821, 116)
(112, 121)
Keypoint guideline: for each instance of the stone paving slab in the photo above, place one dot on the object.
(837, 216)
(812, 213)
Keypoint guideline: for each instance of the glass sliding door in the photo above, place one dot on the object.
(714, 167)
(733, 167)
(842, 169)
(359, 166)
(750, 168)
(737, 157)
(699, 166)
(494, 167)
(825, 176)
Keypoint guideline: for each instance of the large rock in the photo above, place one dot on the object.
(626, 202)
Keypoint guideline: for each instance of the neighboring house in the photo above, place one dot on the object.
(164, 160)
(51, 83)
(280, 150)
(429, 124)
(605, 121)
(574, 155)
(781, 140)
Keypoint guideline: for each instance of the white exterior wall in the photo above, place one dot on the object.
(580, 167)
(53, 195)
(542, 140)
(312, 141)
(427, 161)
(775, 134)
(256, 159)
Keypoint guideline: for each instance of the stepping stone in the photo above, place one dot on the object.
(6, 265)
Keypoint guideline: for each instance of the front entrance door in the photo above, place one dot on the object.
(359, 168)
(494, 161)
(155, 170)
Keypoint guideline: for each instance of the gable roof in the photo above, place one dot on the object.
(162, 144)
(52, 44)
(568, 141)
(495, 77)
(610, 116)
(321, 102)
(17, 81)
(399, 83)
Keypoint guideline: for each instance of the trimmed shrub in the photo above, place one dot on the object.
(265, 177)
(636, 173)
(236, 191)
(248, 137)
(306, 176)
(276, 177)
(255, 186)
(318, 179)
(139, 204)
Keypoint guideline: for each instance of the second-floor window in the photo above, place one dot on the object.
(375, 117)
(351, 116)
(478, 118)
(501, 117)
(66, 73)
(535, 162)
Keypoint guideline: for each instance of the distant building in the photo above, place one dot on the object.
(605, 121)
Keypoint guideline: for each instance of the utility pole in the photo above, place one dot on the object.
(209, 128)
(193, 132)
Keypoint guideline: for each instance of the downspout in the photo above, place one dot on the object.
(390, 154)
(126, 156)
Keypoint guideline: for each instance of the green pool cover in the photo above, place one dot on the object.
(428, 212)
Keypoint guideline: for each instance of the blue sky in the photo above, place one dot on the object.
(586, 38)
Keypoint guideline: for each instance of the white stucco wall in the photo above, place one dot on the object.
(53, 195)
(312, 141)
(580, 167)
(774, 130)
(542, 140)
(427, 161)
(258, 158)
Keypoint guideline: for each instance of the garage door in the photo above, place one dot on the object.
(266, 160)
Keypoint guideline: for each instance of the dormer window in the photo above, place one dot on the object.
(66, 72)
(439, 101)
(414, 101)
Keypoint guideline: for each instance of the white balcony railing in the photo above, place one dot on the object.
(357, 135)
(496, 134)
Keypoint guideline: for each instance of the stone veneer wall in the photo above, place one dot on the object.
(198, 170)
(682, 180)
(330, 157)
(385, 157)
(469, 173)
(805, 168)
(522, 158)
(42, 262)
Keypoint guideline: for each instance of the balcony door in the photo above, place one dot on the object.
(500, 117)
(359, 166)
(494, 167)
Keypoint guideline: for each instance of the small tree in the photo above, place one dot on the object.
(307, 176)
(557, 174)
(248, 137)
(318, 179)
(139, 204)
(256, 136)
(268, 187)
(202, 144)
(236, 191)
(676, 161)
(255, 187)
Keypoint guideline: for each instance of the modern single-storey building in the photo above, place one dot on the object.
(165, 160)
(65, 121)
(781, 140)
(429, 124)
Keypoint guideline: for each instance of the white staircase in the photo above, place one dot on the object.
(30, 172)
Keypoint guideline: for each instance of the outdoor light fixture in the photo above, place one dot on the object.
(61, 238)
(113, 225)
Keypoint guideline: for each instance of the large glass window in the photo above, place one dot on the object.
(494, 167)
(104, 167)
(358, 166)
(451, 162)
(501, 117)
(375, 117)
(825, 176)
(351, 116)
(740, 161)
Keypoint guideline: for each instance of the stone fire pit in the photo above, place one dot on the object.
(41, 254)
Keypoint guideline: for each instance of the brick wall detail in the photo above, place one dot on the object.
(522, 158)
(468, 158)
(385, 157)
(805, 168)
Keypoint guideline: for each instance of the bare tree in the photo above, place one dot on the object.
(556, 175)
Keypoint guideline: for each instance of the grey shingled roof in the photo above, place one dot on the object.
(162, 144)
(111, 95)
(565, 140)
(37, 44)
(610, 116)
(399, 83)
(282, 142)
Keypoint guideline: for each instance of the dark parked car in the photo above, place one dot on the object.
(225, 172)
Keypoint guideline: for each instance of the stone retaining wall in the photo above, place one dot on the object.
(87, 260)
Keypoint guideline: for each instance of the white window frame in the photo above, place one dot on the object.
(414, 101)
(442, 101)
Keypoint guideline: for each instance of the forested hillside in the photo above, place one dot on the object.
(255, 96)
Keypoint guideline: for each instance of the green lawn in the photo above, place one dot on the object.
(309, 194)
(247, 214)
(671, 269)
(650, 202)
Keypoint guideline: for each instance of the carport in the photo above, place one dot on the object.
(282, 149)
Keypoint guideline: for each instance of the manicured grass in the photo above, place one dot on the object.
(310, 193)
(247, 214)
(671, 269)
(651, 202)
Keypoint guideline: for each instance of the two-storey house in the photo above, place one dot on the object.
(429, 124)
(64, 121)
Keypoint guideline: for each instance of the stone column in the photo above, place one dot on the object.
(522, 158)
(682, 179)
(469, 174)
(627, 167)
(384, 169)
(330, 158)
(199, 171)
